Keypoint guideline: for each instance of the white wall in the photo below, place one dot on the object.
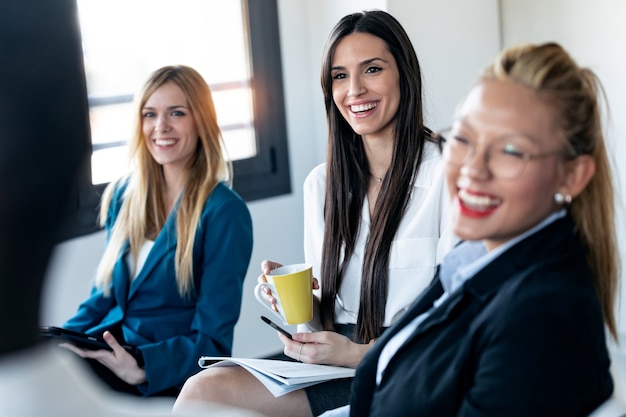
(594, 34)
(454, 41)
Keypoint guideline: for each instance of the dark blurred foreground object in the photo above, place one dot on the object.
(43, 141)
(44, 134)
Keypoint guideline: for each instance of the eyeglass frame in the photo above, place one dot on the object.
(441, 139)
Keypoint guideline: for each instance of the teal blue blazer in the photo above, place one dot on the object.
(170, 331)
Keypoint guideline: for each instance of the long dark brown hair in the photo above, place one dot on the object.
(348, 176)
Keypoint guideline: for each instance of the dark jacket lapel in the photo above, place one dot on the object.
(535, 249)
(121, 277)
(488, 280)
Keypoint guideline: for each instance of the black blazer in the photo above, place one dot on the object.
(523, 337)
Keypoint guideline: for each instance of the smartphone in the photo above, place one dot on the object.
(276, 326)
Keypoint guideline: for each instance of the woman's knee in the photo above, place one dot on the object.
(214, 384)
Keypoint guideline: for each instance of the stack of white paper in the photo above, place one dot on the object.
(281, 377)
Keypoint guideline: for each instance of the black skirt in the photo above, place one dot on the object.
(335, 393)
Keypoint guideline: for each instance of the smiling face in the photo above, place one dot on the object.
(494, 209)
(169, 128)
(366, 84)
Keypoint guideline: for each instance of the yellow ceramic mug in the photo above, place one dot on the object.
(292, 286)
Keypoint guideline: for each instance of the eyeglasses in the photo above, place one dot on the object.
(504, 158)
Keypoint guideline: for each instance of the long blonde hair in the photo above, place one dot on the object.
(574, 91)
(143, 211)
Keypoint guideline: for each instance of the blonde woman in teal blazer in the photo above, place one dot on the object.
(179, 242)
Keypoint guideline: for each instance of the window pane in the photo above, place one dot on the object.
(110, 123)
(108, 162)
(124, 41)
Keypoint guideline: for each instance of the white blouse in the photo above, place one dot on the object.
(421, 241)
(144, 251)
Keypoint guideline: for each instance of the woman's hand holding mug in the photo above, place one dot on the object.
(286, 291)
(266, 267)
